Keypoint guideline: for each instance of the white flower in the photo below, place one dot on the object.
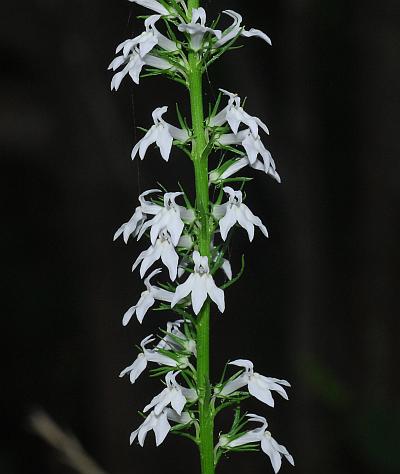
(225, 265)
(163, 249)
(132, 227)
(199, 285)
(234, 211)
(151, 355)
(236, 165)
(161, 133)
(269, 445)
(147, 299)
(252, 145)
(258, 385)
(175, 339)
(134, 64)
(234, 114)
(170, 218)
(173, 394)
(197, 29)
(236, 29)
(147, 40)
(152, 5)
(159, 424)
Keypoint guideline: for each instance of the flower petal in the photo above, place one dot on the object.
(252, 436)
(178, 402)
(159, 402)
(245, 222)
(215, 293)
(199, 292)
(259, 392)
(260, 34)
(246, 364)
(147, 140)
(227, 222)
(153, 253)
(141, 310)
(136, 369)
(175, 226)
(161, 294)
(164, 141)
(275, 457)
(254, 219)
(128, 315)
(161, 429)
(170, 259)
(235, 384)
(182, 290)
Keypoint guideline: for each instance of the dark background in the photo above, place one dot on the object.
(318, 303)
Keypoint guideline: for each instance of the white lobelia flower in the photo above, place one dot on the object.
(237, 29)
(173, 394)
(133, 65)
(234, 211)
(225, 265)
(252, 144)
(161, 133)
(150, 355)
(269, 445)
(175, 340)
(147, 299)
(234, 114)
(199, 285)
(170, 218)
(163, 249)
(159, 424)
(147, 40)
(258, 385)
(133, 226)
(225, 172)
(197, 28)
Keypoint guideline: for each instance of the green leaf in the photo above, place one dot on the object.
(216, 106)
(180, 118)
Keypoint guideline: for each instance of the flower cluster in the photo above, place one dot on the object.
(188, 240)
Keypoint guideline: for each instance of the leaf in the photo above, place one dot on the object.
(180, 118)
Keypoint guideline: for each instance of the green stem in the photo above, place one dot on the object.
(200, 162)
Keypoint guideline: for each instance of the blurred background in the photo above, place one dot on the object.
(318, 304)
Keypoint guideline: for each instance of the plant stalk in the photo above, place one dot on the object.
(200, 162)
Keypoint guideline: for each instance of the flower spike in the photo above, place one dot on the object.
(192, 236)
